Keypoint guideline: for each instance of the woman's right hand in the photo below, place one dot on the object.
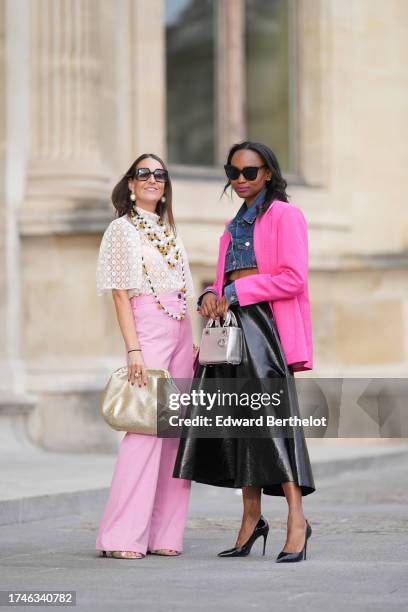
(209, 305)
(136, 368)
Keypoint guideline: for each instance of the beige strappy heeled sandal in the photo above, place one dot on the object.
(122, 554)
(165, 552)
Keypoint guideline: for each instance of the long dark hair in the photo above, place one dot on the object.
(276, 187)
(121, 193)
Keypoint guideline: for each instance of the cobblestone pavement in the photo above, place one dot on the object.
(357, 555)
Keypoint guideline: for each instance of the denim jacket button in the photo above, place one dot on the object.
(247, 243)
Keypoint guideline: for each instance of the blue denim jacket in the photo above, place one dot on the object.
(240, 253)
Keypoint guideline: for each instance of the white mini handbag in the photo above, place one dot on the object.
(221, 344)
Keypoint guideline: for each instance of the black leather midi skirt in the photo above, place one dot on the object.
(236, 462)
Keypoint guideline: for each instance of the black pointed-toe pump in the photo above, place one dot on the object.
(261, 529)
(288, 557)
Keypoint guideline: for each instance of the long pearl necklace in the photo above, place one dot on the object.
(166, 245)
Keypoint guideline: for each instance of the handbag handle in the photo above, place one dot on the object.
(211, 321)
(229, 321)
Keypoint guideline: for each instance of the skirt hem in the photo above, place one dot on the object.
(273, 489)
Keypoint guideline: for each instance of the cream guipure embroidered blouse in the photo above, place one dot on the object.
(120, 261)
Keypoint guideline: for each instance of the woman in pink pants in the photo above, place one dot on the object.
(143, 262)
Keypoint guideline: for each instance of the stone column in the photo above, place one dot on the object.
(146, 77)
(13, 135)
(65, 161)
(15, 404)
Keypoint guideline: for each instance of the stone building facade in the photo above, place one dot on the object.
(84, 92)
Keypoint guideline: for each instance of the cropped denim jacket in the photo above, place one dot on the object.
(240, 253)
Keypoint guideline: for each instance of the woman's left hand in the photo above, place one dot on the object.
(222, 307)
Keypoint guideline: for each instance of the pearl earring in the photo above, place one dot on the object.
(133, 197)
(163, 199)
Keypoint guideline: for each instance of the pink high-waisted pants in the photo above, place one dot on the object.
(147, 507)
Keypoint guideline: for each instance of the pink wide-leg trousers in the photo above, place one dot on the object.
(147, 507)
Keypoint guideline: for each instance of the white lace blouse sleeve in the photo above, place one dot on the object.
(119, 262)
(189, 280)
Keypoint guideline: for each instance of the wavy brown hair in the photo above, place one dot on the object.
(121, 193)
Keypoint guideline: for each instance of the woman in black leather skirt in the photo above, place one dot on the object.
(277, 465)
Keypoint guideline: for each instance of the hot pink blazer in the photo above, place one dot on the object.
(281, 253)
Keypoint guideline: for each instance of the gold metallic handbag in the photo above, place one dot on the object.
(144, 409)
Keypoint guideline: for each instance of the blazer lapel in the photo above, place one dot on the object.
(224, 243)
(262, 224)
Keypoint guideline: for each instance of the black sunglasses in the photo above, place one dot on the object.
(143, 174)
(249, 172)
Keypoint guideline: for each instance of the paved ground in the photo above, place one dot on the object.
(358, 554)
(38, 484)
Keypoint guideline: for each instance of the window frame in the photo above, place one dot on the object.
(230, 92)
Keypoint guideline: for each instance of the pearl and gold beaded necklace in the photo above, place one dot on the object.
(163, 239)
